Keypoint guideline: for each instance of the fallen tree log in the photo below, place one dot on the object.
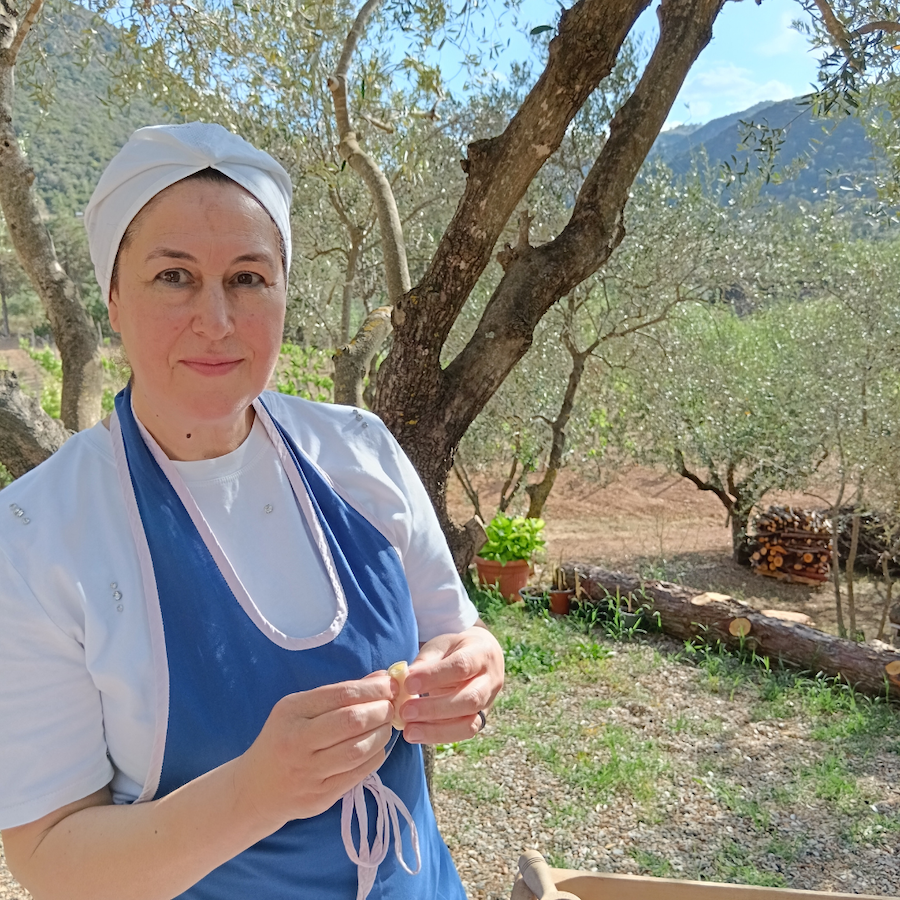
(689, 614)
(28, 435)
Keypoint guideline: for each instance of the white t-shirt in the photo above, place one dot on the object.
(76, 674)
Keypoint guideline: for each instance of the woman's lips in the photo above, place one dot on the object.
(212, 366)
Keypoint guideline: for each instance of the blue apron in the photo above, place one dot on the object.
(225, 675)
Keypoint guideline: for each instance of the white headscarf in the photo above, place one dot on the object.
(155, 158)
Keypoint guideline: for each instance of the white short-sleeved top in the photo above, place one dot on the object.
(76, 672)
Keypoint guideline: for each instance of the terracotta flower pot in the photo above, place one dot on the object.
(560, 601)
(507, 577)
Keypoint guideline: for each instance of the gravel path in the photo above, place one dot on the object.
(717, 790)
(643, 762)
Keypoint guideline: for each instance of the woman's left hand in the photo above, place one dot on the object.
(462, 674)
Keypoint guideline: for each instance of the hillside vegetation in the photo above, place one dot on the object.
(836, 153)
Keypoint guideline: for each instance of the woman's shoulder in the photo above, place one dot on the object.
(324, 428)
(67, 484)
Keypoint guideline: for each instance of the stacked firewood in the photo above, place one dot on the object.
(792, 544)
(877, 533)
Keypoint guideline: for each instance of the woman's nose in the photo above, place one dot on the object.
(213, 315)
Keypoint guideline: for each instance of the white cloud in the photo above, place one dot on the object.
(720, 89)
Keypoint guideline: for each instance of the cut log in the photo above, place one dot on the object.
(789, 616)
(715, 617)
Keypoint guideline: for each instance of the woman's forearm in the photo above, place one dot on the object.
(315, 746)
(145, 851)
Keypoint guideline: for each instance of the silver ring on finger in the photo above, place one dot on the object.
(483, 721)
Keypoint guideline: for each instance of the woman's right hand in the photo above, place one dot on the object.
(316, 746)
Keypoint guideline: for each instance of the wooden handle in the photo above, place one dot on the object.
(536, 875)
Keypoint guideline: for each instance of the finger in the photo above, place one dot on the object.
(337, 785)
(466, 700)
(445, 732)
(349, 755)
(346, 724)
(395, 688)
(431, 675)
(329, 697)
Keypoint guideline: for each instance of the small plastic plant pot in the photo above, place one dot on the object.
(560, 601)
(630, 619)
(508, 577)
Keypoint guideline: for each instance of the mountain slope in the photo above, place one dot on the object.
(70, 141)
(838, 152)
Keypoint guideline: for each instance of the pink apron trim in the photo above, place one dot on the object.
(157, 636)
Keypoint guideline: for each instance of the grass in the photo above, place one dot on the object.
(586, 707)
(651, 864)
(734, 864)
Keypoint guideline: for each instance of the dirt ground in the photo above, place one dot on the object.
(18, 361)
(660, 525)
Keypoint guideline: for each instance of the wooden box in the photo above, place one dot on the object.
(604, 886)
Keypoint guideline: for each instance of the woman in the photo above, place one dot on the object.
(199, 597)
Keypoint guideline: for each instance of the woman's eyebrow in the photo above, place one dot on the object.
(255, 257)
(169, 253)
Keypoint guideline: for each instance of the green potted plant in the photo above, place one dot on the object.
(505, 558)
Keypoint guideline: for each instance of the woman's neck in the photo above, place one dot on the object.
(186, 442)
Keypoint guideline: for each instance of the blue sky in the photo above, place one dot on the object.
(754, 55)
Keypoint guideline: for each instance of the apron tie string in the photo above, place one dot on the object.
(368, 859)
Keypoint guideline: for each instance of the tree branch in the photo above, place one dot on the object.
(843, 37)
(535, 280)
(351, 362)
(73, 329)
(836, 29)
(22, 32)
(890, 27)
(395, 265)
(463, 476)
(28, 435)
(711, 485)
(501, 168)
(356, 32)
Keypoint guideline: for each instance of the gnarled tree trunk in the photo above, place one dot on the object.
(429, 407)
(74, 332)
(28, 435)
(352, 361)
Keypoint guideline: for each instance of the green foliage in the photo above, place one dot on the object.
(734, 865)
(302, 372)
(651, 864)
(51, 392)
(487, 599)
(116, 373)
(528, 659)
(70, 133)
(5, 477)
(511, 538)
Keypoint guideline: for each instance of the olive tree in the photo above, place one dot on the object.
(427, 395)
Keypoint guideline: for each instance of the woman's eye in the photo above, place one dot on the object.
(173, 276)
(248, 279)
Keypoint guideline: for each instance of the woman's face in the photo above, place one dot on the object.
(200, 302)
